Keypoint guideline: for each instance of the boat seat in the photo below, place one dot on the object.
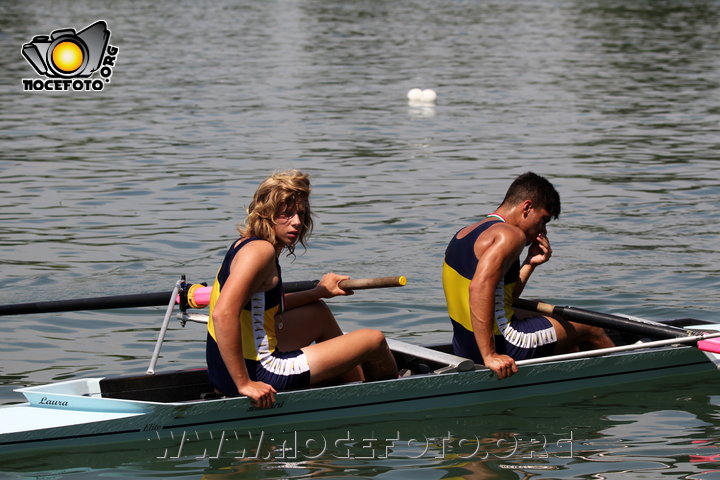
(444, 362)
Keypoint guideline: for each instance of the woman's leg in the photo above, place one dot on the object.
(333, 358)
(301, 326)
(357, 356)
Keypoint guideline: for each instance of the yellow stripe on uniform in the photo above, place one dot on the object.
(457, 296)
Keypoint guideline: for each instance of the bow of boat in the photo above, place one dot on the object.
(65, 410)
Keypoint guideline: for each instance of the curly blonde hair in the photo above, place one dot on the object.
(280, 193)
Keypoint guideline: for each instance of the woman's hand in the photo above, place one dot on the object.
(329, 284)
(261, 394)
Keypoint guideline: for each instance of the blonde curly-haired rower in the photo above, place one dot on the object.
(261, 340)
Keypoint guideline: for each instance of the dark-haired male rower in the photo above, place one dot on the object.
(482, 275)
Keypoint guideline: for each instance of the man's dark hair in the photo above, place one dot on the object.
(531, 186)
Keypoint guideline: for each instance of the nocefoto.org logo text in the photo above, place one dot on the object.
(66, 59)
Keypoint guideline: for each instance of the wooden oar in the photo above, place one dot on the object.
(604, 320)
(162, 298)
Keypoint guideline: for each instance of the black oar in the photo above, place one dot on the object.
(163, 298)
(115, 301)
(604, 320)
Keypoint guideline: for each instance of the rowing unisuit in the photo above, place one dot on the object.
(520, 339)
(282, 370)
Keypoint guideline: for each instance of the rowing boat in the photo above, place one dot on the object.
(123, 408)
(93, 410)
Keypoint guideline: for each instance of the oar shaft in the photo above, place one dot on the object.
(604, 320)
(162, 298)
(94, 303)
(115, 301)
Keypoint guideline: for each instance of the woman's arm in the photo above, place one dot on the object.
(251, 268)
(327, 288)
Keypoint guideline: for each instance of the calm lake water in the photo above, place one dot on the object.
(123, 190)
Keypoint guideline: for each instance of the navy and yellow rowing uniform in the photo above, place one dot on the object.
(518, 338)
(282, 370)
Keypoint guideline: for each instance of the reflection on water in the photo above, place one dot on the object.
(123, 191)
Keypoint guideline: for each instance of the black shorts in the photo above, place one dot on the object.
(282, 370)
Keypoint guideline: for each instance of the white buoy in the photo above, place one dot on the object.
(414, 95)
(428, 96)
(418, 97)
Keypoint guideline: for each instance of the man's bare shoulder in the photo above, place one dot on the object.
(501, 236)
(504, 231)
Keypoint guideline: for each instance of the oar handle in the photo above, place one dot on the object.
(377, 282)
(349, 284)
(534, 306)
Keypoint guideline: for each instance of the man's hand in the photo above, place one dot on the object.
(502, 365)
(539, 251)
(261, 394)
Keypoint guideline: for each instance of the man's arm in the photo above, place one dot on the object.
(495, 249)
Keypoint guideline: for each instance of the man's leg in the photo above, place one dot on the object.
(573, 337)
